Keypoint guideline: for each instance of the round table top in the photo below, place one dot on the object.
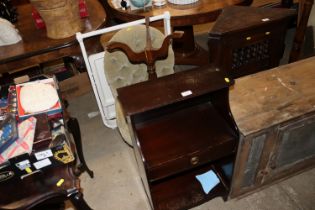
(196, 13)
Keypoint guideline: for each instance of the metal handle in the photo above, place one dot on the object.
(27, 175)
(194, 160)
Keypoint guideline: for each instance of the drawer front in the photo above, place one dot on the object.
(190, 161)
(252, 36)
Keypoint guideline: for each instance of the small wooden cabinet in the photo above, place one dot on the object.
(182, 127)
(275, 114)
(246, 40)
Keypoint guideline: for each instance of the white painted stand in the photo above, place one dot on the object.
(95, 67)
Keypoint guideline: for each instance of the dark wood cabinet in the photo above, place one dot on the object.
(246, 40)
(275, 114)
(182, 127)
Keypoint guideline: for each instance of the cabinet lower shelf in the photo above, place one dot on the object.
(185, 191)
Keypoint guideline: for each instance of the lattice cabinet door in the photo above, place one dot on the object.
(245, 40)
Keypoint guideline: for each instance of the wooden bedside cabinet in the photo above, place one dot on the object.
(245, 40)
(182, 127)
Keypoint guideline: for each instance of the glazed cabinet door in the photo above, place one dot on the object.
(274, 154)
(252, 157)
(294, 149)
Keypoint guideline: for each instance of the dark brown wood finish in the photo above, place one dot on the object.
(183, 17)
(177, 137)
(275, 113)
(245, 40)
(74, 128)
(169, 133)
(36, 48)
(199, 82)
(41, 188)
(37, 188)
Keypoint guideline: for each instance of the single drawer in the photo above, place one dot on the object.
(190, 160)
(184, 139)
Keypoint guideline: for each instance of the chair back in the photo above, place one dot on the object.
(118, 69)
(96, 68)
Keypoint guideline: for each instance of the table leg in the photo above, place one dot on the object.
(74, 128)
(78, 201)
(187, 52)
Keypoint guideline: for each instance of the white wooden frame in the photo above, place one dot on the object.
(95, 67)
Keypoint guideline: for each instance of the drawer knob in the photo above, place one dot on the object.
(194, 160)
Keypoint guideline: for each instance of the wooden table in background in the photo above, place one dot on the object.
(36, 47)
(183, 17)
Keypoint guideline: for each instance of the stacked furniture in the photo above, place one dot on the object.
(182, 127)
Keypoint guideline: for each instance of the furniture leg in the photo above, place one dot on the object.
(187, 52)
(74, 128)
(78, 201)
(304, 13)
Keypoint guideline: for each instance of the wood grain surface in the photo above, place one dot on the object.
(35, 47)
(200, 12)
(267, 98)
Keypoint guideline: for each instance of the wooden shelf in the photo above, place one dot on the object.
(224, 170)
(171, 141)
(184, 190)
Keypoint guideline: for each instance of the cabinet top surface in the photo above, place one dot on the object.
(170, 89)
(236, 18)
(271, 97)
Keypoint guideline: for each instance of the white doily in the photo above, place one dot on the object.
(38, 97)
(182, 2)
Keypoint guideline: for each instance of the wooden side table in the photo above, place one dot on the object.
(36, 48)
(47, 175)
(43, 189)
